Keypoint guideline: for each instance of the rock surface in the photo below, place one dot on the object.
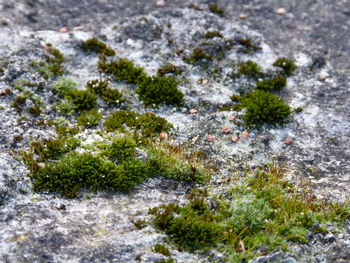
(99, 228)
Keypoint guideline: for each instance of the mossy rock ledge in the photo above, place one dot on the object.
(181, 135)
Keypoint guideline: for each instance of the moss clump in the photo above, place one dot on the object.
(250, 69)
(149, 124)
(35, 110)
(19, 102)
(140, 224)
(120, 118)
(95, 45)
(198, 55)
(161, 249)
(123, 70)
(287, 65)
(112, 96)
(89, 118)
(264, 107)
(248, 45)
(214, 8)
(82, 99)
(121, 149)
(85, 171)
(276, 83)
(64, 86)
(154, 91)
(117, 166)
(97, 85)
(264, 211)
(213, 34)
(53, 148)
(168, 68)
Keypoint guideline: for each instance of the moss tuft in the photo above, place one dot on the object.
(95, 45)
(82, 99)
(161, 249)
(213, 34)
(198, 55)
(250, 69)
(97, 85)
(64, 86)
(154, 91)
(112, 96)
(264, 107)
(276, 83)
(89, 118)
(149, 124)
(287, 65)
(214, 8)
(248, 45)
(123, 70)
(168, 68)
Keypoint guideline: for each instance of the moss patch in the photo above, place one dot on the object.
(154, 91)
(286, 65)
(264, 211)
(275, 83)
(264, 107)
(95, 45)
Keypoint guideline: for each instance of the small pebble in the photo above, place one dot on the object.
(194, 139)
(63, 30)
(288, 140)
(192, 111)
(205, 81)
(234, 139)
(163, 135)
(47, 48)
(160, 3)
(323, 76)
(280, 11)
(232, 118)
(243, 16)
(227, 130)
(245, 135)
(210, 138)
(77, 28)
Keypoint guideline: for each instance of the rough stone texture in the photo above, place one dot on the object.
(100, 229)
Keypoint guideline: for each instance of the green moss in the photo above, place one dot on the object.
(250, 69)
(79, 171)
(123, 70)
(214, 8)
(64, 86)
(82, 99)
(168, 68)
(35, 110)
(264, 107)
(121, 149)
(248, 45)
(20, 84)
(53, 149)
(89, 118)
(140, 224)
(161, 249)
(287, 65)
(97, 85)
(276, 83)
(112, 96)
(264, 211)
(149, 124)
(198, 55)
(213, 34)
(95, 45)
(19, 102)
(117, 120)
(154, 91)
